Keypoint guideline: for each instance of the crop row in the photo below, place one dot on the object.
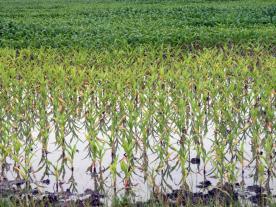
(148, 103)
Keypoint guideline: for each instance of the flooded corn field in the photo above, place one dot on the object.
(162, 130)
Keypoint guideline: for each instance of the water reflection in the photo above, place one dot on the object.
(75, 170)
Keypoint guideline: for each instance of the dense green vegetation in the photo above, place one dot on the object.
(106, 24)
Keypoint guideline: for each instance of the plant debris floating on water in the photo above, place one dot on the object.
(195, 160)
(204, 184)
(256, 189)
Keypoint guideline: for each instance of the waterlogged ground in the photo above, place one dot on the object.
(171, 126)
(79, 180)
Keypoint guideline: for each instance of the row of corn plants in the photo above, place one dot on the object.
(147, 112)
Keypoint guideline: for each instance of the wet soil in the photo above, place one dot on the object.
(222, 194)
